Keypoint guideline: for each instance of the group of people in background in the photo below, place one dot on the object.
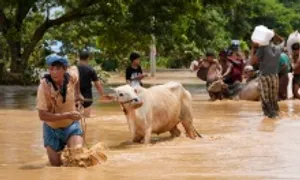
(270, 65)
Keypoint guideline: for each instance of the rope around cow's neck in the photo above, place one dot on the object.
(123, 105)
(80, 109)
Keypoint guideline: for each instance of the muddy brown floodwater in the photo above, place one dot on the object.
(238, 143)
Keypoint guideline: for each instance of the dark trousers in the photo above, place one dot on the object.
(269, 87)
(283, 86)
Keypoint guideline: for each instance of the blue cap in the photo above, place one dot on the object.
(56, 58)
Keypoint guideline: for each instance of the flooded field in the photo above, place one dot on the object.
(238, 143)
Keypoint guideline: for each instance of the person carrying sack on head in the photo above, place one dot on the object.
(268, 57)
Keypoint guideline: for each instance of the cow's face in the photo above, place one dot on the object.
(128, 95)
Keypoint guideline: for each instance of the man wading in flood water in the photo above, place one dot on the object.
(268, 57)
(87, 74)
(56, 98)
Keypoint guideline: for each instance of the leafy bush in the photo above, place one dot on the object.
(174, 63)
(31, 75)
(244, 46)
(110, 65)
(162, 62)
(145, 63)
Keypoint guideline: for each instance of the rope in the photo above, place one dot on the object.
(80, 109)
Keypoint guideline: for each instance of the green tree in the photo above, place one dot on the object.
(24, 23)
(183, 29)
(279, 15)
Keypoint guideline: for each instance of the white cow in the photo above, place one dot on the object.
(156, 110)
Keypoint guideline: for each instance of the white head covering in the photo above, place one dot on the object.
(248, 68)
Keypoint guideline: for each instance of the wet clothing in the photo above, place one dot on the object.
(57, 138)
(213, 95)
(283, 86)
(283, 76)
(284, 61)
(236, 73)
(132, 73)
(87, 75)
(215, 89)
(237, 70)
(268, 86)
(269, 59)
(202, 73)
(268, 81)
(214, 86)
(52, 100)
(233, 90)
(296, 79)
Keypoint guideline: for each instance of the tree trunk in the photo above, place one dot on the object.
(1, 71)
(17, 63)
(7, 55)
(2, 64)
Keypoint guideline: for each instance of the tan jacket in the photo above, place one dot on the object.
(52, 101)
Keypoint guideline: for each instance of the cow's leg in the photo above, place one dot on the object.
(148, 128)
(137, 138)
(186, 118)
(175, 132)
(147, 137)
(190, 130)
(131, 125)
(132, 128)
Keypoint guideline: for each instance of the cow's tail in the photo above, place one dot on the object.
(195, 130)
(188, 95)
